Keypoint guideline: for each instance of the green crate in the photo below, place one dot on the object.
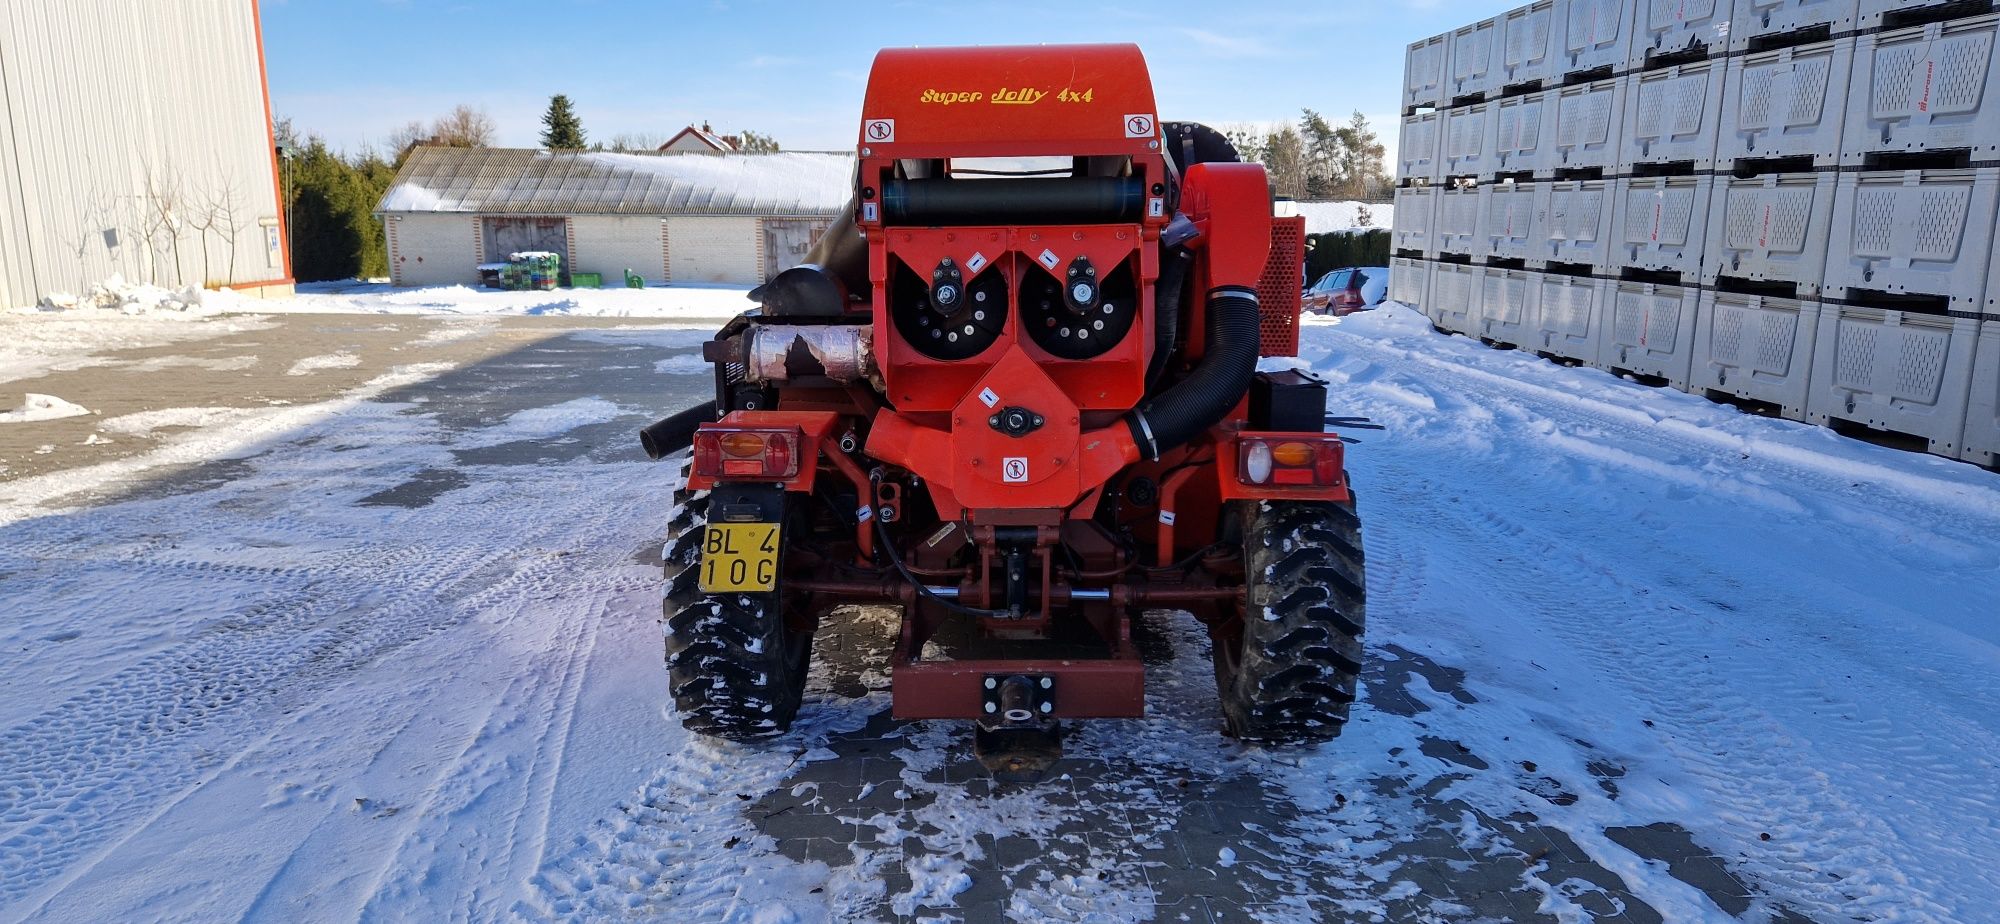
(586, 280)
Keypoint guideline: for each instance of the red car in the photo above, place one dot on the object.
(1346, 290)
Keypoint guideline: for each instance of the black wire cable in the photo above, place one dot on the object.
(889, 549)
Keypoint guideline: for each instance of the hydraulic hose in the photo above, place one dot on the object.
(1171, 418)
(1167, 312)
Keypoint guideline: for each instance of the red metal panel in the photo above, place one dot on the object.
(1112, 688)
(1278, 290)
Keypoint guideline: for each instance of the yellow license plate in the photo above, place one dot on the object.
(739, 556)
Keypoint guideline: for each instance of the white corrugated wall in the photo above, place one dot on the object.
(133, 134)
(611, 244)
(714, 250)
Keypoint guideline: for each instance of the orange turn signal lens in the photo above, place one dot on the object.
(1293, 454)
(742, 445)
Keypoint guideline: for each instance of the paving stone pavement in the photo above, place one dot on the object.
(1114, 827)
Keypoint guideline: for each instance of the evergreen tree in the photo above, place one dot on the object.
(561, 129)
(1285, 158)
(1363, 169)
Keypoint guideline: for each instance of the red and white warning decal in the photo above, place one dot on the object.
(1014, 468)
(1139, 125)
(879, 131)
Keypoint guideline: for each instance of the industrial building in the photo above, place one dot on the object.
(1788, 204)
(717, 218)
(135, 140)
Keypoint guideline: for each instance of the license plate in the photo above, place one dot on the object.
(740, 557)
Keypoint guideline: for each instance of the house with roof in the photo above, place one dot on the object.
(703, 140)
(726, 218)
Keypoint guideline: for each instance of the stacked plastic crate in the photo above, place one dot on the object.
(1785, 203)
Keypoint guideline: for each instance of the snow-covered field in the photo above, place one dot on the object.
(395, 656)
(1322, 217)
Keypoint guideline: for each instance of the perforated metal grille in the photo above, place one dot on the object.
(1920, 364)
(1728, 334)
(1278, 289)
(1854, 356)
(1941, 222)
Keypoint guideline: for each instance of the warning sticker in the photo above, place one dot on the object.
(977, 263)
(1156, 207)
(1014, 468)
(1166, 517)
(1139, 125)
(880, 131)
(869, 211)
(864, 513)
(1048, 258)
(989, 397)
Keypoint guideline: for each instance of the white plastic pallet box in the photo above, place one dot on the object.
(1507, 220)
(1672, 114)
(1423, 72)
(1588, 118)
(1416, 206)
(1651, 330)
(1662, 223)
(1875, 14)
(1574, 225)
(1466, 133)
(1772, 229)
(1669, 27)
(1758, 22)
(1457, 221)
(1926, 88)
(1506, 306)
(1786, 103)
(1569, 316)
(1409, 281)
(1913, 232)
(1596, 34)
(1521, 134)
(1455, 290)
(1981, 443)
(1418, 147)
(1893, 370)
(1528, 44)
(1475, 60)
(1755, 347)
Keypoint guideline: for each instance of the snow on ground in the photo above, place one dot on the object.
(42, 407)
(1324, 217)
(694, 303)
(312, 364)
(402, 662)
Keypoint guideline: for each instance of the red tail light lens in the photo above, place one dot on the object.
(747, 453)
(1313, 461)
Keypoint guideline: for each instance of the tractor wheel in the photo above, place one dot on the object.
(736, 669)
(1289, 670)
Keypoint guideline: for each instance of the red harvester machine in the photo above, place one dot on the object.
(1015, 392)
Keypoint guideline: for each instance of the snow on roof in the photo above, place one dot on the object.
(519, 181)
(1324, 217)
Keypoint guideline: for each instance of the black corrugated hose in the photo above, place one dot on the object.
(1171, 418)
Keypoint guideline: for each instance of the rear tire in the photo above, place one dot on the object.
(1290, 668)
(736, 670)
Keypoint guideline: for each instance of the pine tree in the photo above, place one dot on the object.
(562, 130)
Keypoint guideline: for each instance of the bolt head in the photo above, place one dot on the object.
(991, 683)
(1048, 708)
(1048, 682)
(991, 707)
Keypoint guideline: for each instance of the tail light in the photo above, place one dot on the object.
(1307, 461)
(747, 452)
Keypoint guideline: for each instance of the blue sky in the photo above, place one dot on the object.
(354, 70)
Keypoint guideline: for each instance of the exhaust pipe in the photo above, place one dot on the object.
(673, 434)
